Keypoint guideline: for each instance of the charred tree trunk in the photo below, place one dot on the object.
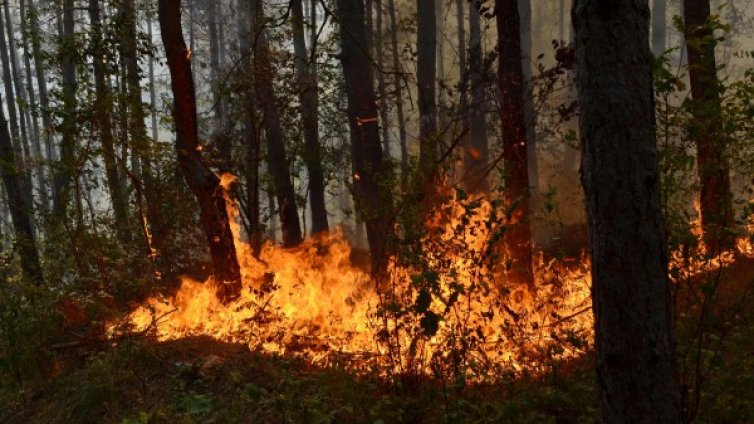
(517, 236)
(102, 114)
(705, 128)
(203, 182)
(476, 159)
(630, 287)
(373, 203)
(310, 121)
(277, 158)
(20, 210)
(426, 72)
(398, 87)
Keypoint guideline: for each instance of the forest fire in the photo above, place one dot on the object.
(311, 302)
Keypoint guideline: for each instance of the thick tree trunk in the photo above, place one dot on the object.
(102, 115)
(705, 128)
(277, 158)
(310, 121)
(20, 210)
(476, 160)
(630, 288)
(152, 89)
(398, 87)
(426, 73)
(463, 90)
(64, 171)
(203, 182)
(373, 203)
(517, 236)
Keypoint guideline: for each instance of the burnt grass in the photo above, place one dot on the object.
(202, 380)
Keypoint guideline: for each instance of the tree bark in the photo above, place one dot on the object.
(426, 75)
(310, 121)
(33, 107)
(476, 160)
(277, 158)
(530, 117)
(705, 128)
(222, 139)
(517, 236)
(102, 115)
(398, 86)
(250, 133)
(64, 171)
(373, 203)
(20, 210)
(630, 287)
(203, 182)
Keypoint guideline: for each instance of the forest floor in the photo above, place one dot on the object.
(201, 380)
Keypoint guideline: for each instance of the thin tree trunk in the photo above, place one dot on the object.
(20, 210)
(102, 115)
(398, 86)
(517, 237)
(202, 181)
(250, 133)
(221, 138)
(381, 88)
(463, 94)
(373, 204)
(33, 107)
(152, 88)
(277, 159)
(310, 121)
(630, 287)
(64, 171)
(659, 27)
(477, 159)
(529, 114)
(705, 128)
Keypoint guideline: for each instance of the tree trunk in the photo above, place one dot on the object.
(222, 139)
(530, 117)
(373, 204)
(517, 236)
(705, 128)
(277, 158)
(202, 181)
(477, 156)
(64, 171)
(659, 27)
(310, 121)
(630, 287)
(398, 86)
(250, 133)
(152, 88)
(33, 107)
(102, 115)
(426, 70)
(379, 42)
(463, 92)
(20, 210)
